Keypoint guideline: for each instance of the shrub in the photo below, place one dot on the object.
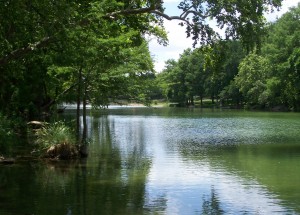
(57, 140)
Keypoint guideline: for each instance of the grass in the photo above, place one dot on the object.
(55, 133)
(57, 141)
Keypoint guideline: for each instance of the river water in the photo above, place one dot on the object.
(167, 161)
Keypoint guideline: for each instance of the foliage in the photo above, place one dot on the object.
(75, 50)
(251, 79)
(128, 79)
(239, 19)
(221, 62)
(271, 79)
(181, 80)
(202, 72)
(282, 49)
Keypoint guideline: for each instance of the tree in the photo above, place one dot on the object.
(251, 79)
(38, 35)
(79, 36)
(266, 78)
(197, 76)
(191, 64)
(282, 49)
(171, 80)
(222, 61)
(182, 80)
(203, 72)
(221, 64)
(240, 19)
(100, 77)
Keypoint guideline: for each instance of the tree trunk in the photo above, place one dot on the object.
(201, 101)
(78, 104)
(84, 131)
(192, 101)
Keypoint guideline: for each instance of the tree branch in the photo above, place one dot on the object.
(53, 101)
(18, 53)
(129, 12)
(183, 17)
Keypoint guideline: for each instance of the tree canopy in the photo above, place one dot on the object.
(30, 25)
(90, 50)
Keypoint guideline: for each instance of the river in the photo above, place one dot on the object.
(167, 161)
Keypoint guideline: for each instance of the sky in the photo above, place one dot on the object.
(177, 37)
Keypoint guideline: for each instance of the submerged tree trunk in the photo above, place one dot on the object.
(201, 101)
(84, 102)
(78, 103)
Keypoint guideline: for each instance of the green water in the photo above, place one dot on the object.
(167, 161)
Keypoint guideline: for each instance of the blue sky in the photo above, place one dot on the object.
(177, 37)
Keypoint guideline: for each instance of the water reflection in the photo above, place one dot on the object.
(211, 204)
(167, 161)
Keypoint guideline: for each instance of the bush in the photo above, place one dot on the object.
(57, 140)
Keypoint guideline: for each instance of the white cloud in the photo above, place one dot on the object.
(177, 36)
(177, 44)
(286, 4)
(171, 1)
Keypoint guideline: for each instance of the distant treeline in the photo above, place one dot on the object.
(267, 77)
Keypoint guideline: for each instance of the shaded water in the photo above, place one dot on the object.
(167, 161)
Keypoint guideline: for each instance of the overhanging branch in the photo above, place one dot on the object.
(129, 12)
(153, 10)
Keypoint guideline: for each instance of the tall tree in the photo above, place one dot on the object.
(221, 63)
(252, 76)
(272, 79)
(182, 80)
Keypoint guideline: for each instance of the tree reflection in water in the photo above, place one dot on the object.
(211, 204)
(109, 181)
(151, 165)
(157, 205)
(116, 180)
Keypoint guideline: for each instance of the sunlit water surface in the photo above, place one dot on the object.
(167, 161)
